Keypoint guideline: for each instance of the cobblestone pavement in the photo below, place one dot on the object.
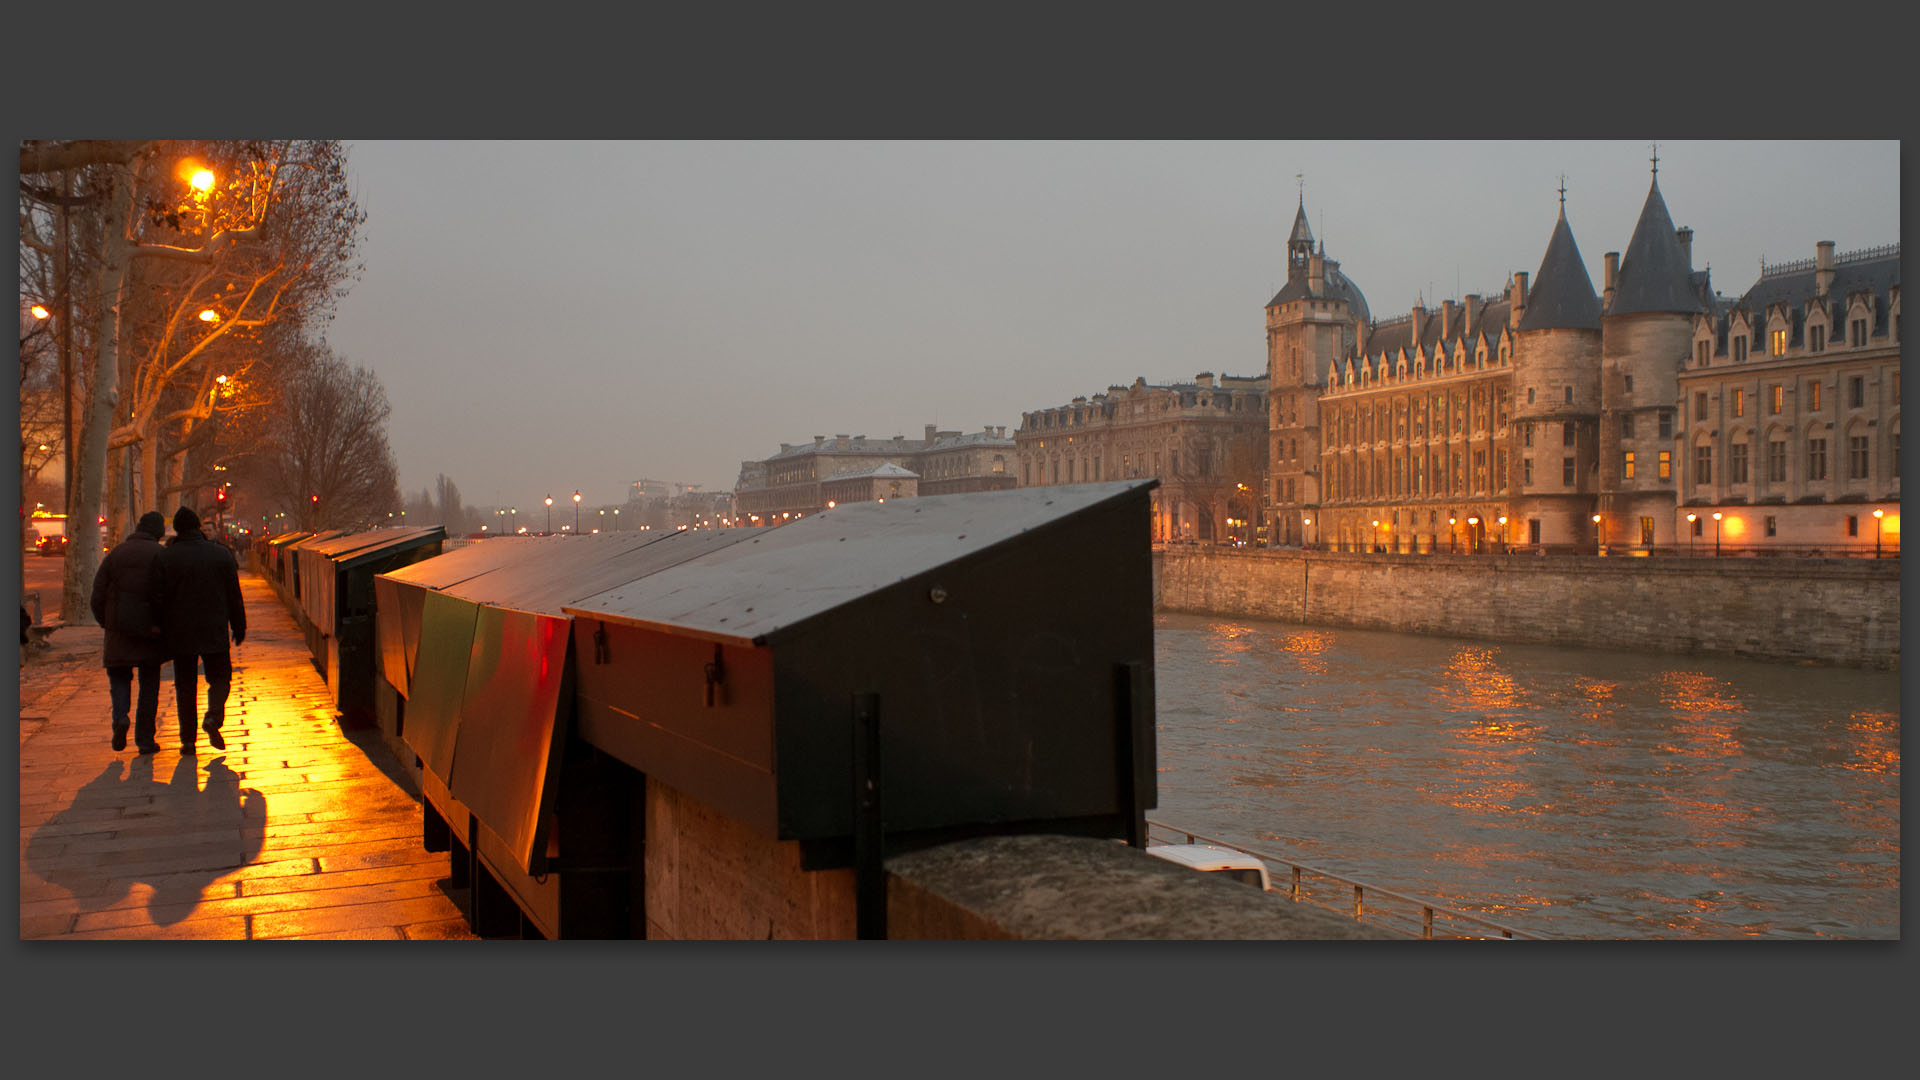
(296, 830)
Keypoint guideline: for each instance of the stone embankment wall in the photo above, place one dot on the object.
(1841, 612)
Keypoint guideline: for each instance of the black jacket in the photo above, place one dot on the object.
(123, 603)
(199, 595)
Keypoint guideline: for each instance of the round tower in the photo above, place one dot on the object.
(1646, 333)
(1556, 397)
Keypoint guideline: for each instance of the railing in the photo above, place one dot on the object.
(1386, 908)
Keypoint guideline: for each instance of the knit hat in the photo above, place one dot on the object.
(185, 519)
(153, 524)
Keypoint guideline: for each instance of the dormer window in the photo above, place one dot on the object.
(1816, 338)
(1857, 333)
(1740, 349)
(1700, 353)
(1777, 343)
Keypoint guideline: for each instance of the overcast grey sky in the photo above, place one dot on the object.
(552, 316)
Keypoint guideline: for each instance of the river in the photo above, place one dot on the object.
(1570, 792)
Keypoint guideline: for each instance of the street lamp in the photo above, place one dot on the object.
(1453, 535)
(549, 513)
(1877, 515)
(1599, 547)
(1503, 533)
(1305, 524)
(616, 519)
(1473, 535)
(1692, 520)
(576, 511)
(1376, 534)
(1716, 534)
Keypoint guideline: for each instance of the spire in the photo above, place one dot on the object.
(1562, 296)
(1655, 274)
(1300, 240)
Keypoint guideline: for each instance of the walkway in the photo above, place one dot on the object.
(296, 830)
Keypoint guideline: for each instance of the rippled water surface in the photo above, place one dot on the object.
(1577, 793)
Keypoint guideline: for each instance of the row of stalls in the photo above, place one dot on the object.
(861, 682)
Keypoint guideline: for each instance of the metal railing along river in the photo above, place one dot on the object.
(1401, 912)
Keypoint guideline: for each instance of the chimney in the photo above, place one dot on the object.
(1609, 276)
(784, 447)
(1823, 268)
(930, 428)
(840, 442)
(1317, 275)
(1685, 236)
(1517, 298)
(817, 440)
(1446, 319)
(1466, 314)
(1205, 378)
(1419, 319)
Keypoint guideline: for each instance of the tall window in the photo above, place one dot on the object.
(1857, 333)
(1646, 532)
(1526, 470)
(1703, 464)
(1737, 463)
(1626, 465)
(1526, 434)
(1569, 395)
(1816, 459)
(1533, 531)
(1629, 384)
(1773, 525)
(1857, 457)
(1816, 338)
(1666, 464)
(1853, 525)
(1700, 353)
(1779, 402)
(1813, 396)
(1739, 403)
(1777, 343)
(1626, 425)
(1666, 423)
(1479, 470)
(1740, 349)
(1566, 433)
(1529, 395)
(1700, 405)
(1856, 392)
(1566, 471)
(1776, 461)
(1500, 470)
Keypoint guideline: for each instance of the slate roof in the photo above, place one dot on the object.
(1300, 234)
(885, 468)
(1489, 318)
(1877, 275)
(1654, 274)
(1561, 296)
(1339, 287)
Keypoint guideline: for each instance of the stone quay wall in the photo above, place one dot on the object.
(1837, 612)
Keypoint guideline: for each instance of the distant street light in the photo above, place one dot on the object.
(1599, 547)
(1692, 520)
(1473, 536)
(1503, 533)
(1305, 524)
(1453, 535)
(1877, 515)
(616, 519)
(576, 511)
(549, 513)
(1376, 534)
(1716, 534)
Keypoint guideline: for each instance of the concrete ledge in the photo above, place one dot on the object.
(1065, 887)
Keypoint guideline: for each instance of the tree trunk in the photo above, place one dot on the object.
(83, 550)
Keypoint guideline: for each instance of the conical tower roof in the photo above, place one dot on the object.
(1301, 235)
(1562, 296)
(1654, 275)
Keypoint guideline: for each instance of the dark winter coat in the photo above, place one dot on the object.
(199, 595)
(123, 603)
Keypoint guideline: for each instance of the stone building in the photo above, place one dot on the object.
(1554, 418)
(1788, 411)
(802, 479)
(1206, 441)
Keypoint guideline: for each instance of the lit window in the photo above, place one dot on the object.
(1626, 465)
(1777, 343)
(1739, 403)
(1813, 396)
(1779, 398)
(1666, 464)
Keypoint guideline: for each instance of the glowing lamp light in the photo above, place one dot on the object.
(202, 180)
(40, 311)
(208, 315)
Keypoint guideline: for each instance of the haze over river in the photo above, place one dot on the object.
(1571, 792)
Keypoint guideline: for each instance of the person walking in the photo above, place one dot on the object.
(199, 591)
(123, 603)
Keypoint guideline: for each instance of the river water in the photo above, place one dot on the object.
(1570, 792)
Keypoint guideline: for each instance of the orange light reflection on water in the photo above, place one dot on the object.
(1876, 742)
(1495, 741)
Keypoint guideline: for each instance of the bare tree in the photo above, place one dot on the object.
(325, 461)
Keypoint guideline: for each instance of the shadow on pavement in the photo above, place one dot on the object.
(194, 835)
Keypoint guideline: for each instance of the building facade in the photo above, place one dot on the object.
(803, 479)
(1206, 442)
(1556, 418)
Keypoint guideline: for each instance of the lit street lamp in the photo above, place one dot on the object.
(616, 519)
(1305, 524)
(549, 513)
(1376, 534)
(1453, 535)
(1692, 520)
(1473, 536)
(576, 511)
(1877, 515)
(1503, 533)
(1716, 534)
(1600, 545)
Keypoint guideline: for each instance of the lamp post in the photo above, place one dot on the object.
(616, 519)
(1473, 535)
(1503, 534)
(1600, 544)
(576, 511)
(1453, 535)
(1877, 515)
(1376, 534)
(1716, 534)
(1692, 520)
(1305, 524)
(549, 513)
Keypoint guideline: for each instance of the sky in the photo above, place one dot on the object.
(547, 317)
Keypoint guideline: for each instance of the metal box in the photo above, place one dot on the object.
(985, 659)
(337, 596)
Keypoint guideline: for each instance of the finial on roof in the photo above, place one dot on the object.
(1563, 192)
(1656, 159)
(1301, 179)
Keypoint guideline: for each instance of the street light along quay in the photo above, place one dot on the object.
(1716, 534)
(1877, 515)
(576, 511)
(1693, 521)
(1600, 545)
(549, 513)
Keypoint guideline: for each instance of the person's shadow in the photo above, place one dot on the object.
(203, 833)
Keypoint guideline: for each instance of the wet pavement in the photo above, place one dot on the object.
(296, 830)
